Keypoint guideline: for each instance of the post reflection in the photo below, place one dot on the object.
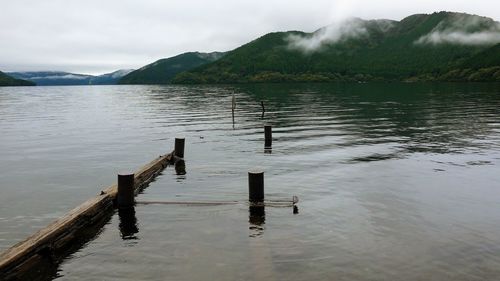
(257, 219)
(233, 118)
(128, 223)
(180, 167)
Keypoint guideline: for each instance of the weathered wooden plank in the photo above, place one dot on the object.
(188, 203)
(62, 232)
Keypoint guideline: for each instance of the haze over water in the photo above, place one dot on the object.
(395, 181)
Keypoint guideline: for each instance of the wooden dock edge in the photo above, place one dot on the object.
(51, 242)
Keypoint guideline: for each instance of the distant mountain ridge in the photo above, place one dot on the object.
(6, 80)
(442, 46)
(162, 71)
(59, 78)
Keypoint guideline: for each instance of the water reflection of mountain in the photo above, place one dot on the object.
(436, 118)
(428, 118)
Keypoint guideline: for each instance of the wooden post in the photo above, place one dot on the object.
(256, 186)
(268, 134)
(233, 107)
(125, 196)
(179, 147)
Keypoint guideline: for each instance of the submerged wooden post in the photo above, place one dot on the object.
(179, 147)
(268, 135)
(233, 103)
(125, 196)
(257, 215)
(233, 107)
(256, 186)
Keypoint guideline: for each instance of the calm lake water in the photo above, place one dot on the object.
(395, 181)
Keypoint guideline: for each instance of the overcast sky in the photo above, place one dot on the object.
(98, 36)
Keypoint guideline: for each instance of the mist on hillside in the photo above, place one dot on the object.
(459, 29)
(350, 28)
(464, 30)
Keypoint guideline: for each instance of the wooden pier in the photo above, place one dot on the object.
(39, 255)
(29, 258)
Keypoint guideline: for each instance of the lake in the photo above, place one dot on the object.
(395, 181)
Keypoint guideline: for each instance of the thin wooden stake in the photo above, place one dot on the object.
(268, 136)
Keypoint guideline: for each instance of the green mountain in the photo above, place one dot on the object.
(162, 71)
(438, 46)
(6, 80)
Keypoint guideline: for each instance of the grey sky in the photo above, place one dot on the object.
(98, 36)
